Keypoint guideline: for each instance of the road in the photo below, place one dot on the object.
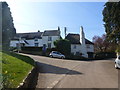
(60, 73)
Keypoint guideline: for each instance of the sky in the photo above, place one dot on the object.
(34, 16)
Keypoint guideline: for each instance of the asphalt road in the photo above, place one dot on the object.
(60, 73)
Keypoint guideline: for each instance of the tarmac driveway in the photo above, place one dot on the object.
(60, 73)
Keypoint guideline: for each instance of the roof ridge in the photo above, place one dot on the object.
(74, 33)
(29, 32)
(51, 30)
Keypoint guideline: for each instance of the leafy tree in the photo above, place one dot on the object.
(8, 30)
(101, 44)
(63, 46)
(111, 17)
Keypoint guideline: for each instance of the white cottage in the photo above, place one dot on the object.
(80, 45)
(36, 39)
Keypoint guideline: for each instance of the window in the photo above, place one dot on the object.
(88, 46)
(77, 53)
(74, 47)
(118, 57)
(49, 45)
(36, 44)
(36, 39)
(49, 38)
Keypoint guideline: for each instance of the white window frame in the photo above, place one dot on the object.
(36, 44)
(50, 45)
(49, 38)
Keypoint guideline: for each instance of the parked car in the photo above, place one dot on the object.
(56, 54)
(117, 62)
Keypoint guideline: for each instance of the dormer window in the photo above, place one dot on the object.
(49, 38)
(36, 39)
(23, 39)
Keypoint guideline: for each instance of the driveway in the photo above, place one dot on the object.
(60, 73)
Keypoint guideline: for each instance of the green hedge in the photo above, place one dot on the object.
(75, 57)
(31, 48)
(36, 50)
(105, 55)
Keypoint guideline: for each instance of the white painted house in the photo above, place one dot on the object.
(80, 45)
(36, 39)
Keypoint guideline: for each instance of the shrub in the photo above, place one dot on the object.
(75, 57)
(63, 46)
(49, 50)
(118, 49)
(31, 48)
(104, 55)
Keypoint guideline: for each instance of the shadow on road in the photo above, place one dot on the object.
(45, 68)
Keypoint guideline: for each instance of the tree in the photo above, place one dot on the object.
(8, 30)
(111, 17)
(63, 46)
(101, 44)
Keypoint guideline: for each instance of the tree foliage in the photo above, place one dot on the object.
(63, 46)
(101, 44)
(8, 30)
(111, 17)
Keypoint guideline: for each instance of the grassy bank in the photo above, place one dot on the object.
(15, 68)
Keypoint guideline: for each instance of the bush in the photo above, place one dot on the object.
(63, 46)
(31, 48)
(105, 55)
(49, 50)
(118, 49)
(75, 57)
(12, 48)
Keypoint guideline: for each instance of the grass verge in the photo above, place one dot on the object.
(15, 68)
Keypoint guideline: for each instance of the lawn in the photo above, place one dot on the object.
(15, 68)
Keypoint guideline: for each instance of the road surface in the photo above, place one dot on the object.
(60, 73)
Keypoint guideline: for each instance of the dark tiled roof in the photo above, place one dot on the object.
(88, 42)
(28, 35)
(75, 39)
(51, 33)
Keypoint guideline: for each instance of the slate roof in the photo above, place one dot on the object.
(51, 33)
(28, 35)
(75, 39)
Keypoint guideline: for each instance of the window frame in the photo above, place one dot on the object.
(49, 38)
(36, 44)
(50, 45)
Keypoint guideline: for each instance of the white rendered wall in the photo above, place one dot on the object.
(13, 43)
(91, 48)
(40, 43)
(45, 40)
(31, 43)
(77, 49)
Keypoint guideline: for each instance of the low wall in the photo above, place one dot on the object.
(31, 80)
